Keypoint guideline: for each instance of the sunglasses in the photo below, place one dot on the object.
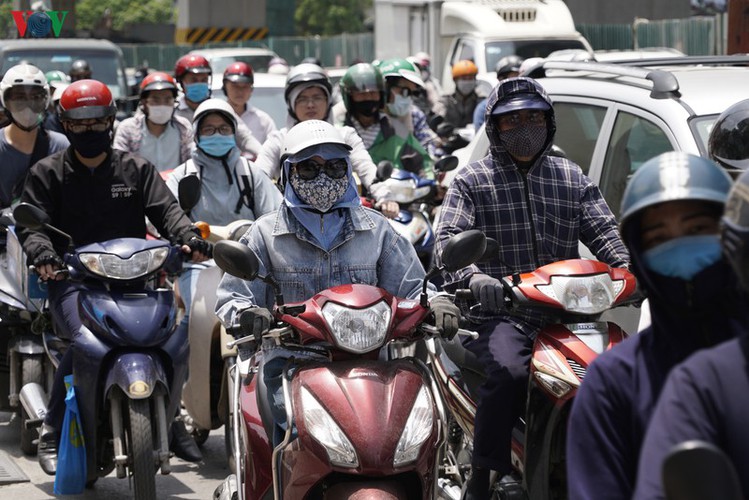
(309, 169)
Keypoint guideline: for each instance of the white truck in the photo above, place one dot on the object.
(481, 30)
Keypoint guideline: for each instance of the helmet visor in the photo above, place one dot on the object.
(520, 101)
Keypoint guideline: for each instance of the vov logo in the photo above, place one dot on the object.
(39, 23)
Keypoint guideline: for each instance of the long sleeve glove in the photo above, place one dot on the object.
(446, 316)
(488, 291)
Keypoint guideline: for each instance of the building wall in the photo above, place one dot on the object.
(618, 11)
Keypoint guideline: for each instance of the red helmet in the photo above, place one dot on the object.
(86, 99)
(239, 72)
(158, 81)
(191, 63)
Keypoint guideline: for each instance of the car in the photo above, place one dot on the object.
(611, 118)
(104, 57)
(267, 95)
(219, 59)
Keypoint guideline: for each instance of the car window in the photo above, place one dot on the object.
(465, 51)
(578, 126)
(634, 140)
(526, 48)
(259, 63)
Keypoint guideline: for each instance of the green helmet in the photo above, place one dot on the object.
(400, 68)
(56, 76)
(361, 77)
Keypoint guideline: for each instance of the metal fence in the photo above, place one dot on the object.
(693, 36)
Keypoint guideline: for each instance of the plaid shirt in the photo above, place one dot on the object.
(537, 218)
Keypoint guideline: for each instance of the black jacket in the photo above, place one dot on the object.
(107, 202)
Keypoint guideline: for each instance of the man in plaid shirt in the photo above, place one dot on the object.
(538, 207)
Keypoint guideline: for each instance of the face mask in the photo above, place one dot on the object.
(197, 92)
(400, 106)
(523, 141)
(683, 257)
(217, 145)
(160, 114)
(90, 144)
(465, 87)
(424, 75)
(27, 119)
(365, 108)
(322, 192)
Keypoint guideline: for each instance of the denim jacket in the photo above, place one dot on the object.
(367, 250)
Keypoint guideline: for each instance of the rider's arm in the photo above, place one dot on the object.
(269, 158)
(456, 216)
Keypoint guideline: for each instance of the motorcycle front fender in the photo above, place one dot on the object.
(136, 374)
(26, 344)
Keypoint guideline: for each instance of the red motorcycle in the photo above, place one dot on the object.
(579, 291)
(366, 419)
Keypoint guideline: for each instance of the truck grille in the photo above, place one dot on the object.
(523, 13)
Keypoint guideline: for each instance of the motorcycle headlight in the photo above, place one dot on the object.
(583, 294)
(325, 431)
(418, 428)
(137, 265)
(357, 330)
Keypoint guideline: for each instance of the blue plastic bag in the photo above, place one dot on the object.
(70, 478)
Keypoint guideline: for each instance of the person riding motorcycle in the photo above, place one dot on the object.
(80, 69)
(432, 87)
(57, 81)
(193, 74)
(237, 87)
(308, 97)
(93, 193)
(538, 207)
(320, 237)
(457, 108)
(669, 220)
(507, 67)
(24, 93)
(703, 397)
(155, 132)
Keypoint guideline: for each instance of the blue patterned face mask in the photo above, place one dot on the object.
(683, 257)
(197, 92)
(322, 192)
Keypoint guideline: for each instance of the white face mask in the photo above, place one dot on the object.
(27, 119)
(160, 114)
(465, 87)
(400, 106)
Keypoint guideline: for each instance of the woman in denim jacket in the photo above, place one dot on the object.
(319, 238)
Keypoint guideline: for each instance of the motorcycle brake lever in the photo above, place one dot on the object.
(468, 333)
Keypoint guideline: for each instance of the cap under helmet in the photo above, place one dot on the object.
(84, 99)
(728, 143)
(361, 77)
(306, 74)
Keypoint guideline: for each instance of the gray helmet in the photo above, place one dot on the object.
(735, 229)
(306, 74)
(672, 176)
(508, 64)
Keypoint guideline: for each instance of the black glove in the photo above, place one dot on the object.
(200, 245)
(254, 321)
(48, 257)
(488, 291)
(446, 316)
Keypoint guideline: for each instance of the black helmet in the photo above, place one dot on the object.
(361, 77)
(311, 60)
(735, 229)
(728, 143)
(79, 70)
(508, 64)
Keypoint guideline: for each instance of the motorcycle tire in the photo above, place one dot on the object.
(142, 464)
(31, 372)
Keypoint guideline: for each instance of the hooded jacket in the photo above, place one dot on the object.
(537, 216)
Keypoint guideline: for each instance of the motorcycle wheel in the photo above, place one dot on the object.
(31, 371)
(142, 465)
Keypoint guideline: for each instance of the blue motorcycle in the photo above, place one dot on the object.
(129, 364)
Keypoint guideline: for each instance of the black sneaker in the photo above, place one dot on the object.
(47, 449)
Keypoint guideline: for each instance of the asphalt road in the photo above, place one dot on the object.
(187, 481)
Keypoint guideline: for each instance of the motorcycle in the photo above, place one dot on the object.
(22, 320)
(698, 470)
(364, 419)
(128, 361)
(578, 291)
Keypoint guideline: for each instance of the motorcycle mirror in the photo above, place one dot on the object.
(697, 470)
(384, 170)
(445, 129)
(492, 250)
(464, 249)
(236, 259)
(188, 192)
(29, 216)
(446, 164)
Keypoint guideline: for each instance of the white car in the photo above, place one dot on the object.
(267, 95)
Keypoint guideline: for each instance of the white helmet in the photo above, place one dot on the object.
(213, 105)
(25, 75)
(311, 133)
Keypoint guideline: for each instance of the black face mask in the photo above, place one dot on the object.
(365, 108)
(90, 144)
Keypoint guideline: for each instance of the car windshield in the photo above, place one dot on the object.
(104, 66)
(527, 48)
(258, 62)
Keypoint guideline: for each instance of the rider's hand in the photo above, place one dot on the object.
(488, 291)
(199, 249)
(47, 264)
(388, 208)
(255, 321)
(446, 316)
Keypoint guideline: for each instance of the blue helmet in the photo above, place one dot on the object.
(672, 176)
